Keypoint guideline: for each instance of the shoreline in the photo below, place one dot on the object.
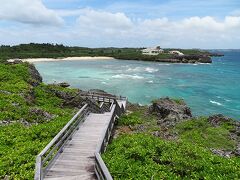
(32, 60)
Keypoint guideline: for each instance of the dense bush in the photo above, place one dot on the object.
(142, 156)
(199, 131)
(19, 144)
(131, 119)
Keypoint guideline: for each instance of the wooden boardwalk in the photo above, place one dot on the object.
(76, 162)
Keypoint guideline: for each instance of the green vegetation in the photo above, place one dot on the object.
(131, 119)
(142, 156)
(138, 154)
(178, 101)
(200, 132)
(30, 117)
(33, 50)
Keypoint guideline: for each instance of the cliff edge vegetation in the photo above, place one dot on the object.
(164, 141)
(31, 114)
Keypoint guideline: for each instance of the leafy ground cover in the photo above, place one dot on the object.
(30, 117)
(137, 153)
(143, 156)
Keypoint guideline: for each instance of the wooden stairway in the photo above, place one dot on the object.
(74, 154)
(77, 159)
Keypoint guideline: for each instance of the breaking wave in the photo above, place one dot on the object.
(215, 102)
(141, 69)
(127, 76)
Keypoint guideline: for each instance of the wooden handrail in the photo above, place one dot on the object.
(102, 96)
(47, 155)
(57, 143)
(101, 169)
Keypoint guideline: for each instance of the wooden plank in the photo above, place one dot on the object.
(78, 157)
(77, 177)
(78, 153)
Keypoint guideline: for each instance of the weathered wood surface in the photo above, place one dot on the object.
(77, 159)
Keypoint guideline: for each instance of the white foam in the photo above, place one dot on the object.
(163, 64)
(151, 70)
(136, 69)
(103, 82)
(215, 102)
(150, 81)
(127, 76)
(205, 63)
(141, 69)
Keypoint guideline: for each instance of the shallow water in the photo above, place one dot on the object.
(207, 88)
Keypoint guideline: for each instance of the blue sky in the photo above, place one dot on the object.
(102, 23)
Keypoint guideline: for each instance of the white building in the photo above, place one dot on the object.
(152, 51)
(176, 52)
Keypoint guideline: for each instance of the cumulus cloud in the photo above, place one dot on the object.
(28, 11)
(195, 31)
(96, 28)
(101, 20)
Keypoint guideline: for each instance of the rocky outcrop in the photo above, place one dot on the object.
(202, 58)
(36, 78)
(169, 111)
(194, 59)
(218, 119)
(14, 61)
(63, 84)
(40, 115)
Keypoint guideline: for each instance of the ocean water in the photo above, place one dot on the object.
(207, 88)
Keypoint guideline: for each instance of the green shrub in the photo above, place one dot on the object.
(19, 144)
(131, 119)
(142, 156)
(199, 131)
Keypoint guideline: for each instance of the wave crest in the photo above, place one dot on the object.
(215, 102)
(127, 76)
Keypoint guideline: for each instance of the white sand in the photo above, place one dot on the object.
(32, 60)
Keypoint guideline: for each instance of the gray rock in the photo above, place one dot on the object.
(217, 119)
(170, 111)
(43, 115)
(14, 61)
(63, 84)
(222, 153)
(5, 92)
(36, 78)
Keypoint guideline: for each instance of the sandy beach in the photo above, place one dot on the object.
(32, 60)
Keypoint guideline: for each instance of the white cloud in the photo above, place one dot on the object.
(96, 28)
(104, 20)
(28, 11)
(193, 31)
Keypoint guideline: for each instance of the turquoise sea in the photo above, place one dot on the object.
(207, 88)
